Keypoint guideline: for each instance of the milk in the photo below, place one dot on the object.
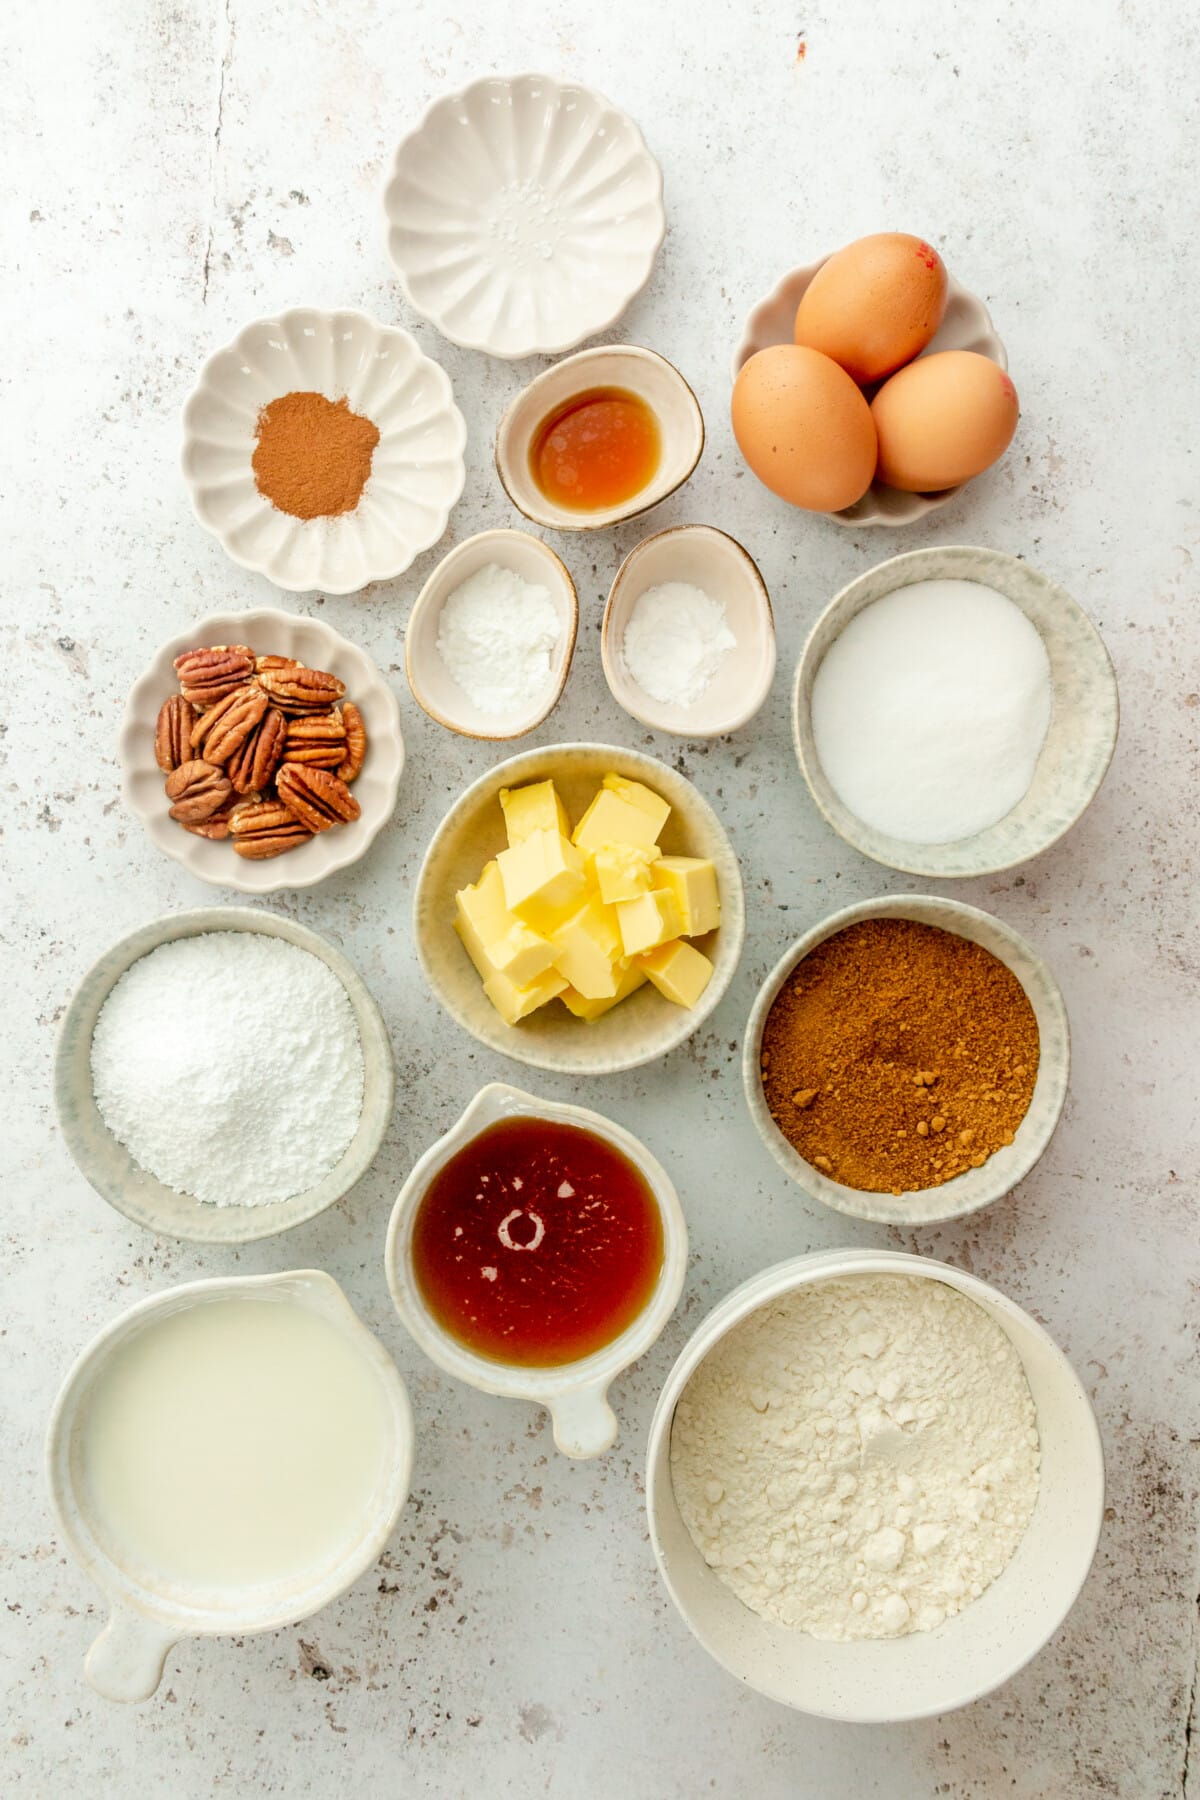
(239, 1442)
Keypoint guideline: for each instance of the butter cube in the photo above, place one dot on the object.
(648, 921)
(635, 793)
(543, 879)
(611, 819)
(628, 981)
(586, 948)
(622, 871)
(495, 941)
(679, 971)
(693, 882)
(515, 1002)
(534, 807)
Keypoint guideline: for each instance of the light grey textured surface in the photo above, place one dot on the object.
(188, 167)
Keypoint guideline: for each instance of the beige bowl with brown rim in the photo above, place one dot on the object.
(976, 1188)
(642, 372)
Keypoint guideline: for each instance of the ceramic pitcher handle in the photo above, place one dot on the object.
(126, 1660)
(584, 1423)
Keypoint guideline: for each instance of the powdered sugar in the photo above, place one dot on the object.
(496, 635)
(230, 1067)
(859, 1459)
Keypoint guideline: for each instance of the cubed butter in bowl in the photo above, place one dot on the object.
(580, 908)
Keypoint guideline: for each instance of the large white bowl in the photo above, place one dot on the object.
(523, 215)
(417, 470)
(267, 632)
(914, 1677)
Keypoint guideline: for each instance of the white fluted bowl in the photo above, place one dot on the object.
(417, 470)
(523, 215)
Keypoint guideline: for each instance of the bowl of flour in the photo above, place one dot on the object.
(222, 1075)
(875, 1486)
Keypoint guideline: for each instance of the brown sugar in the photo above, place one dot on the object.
(898, 1056)
(313, 455)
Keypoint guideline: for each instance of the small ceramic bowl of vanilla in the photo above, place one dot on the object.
(688, 643)
(491, 636)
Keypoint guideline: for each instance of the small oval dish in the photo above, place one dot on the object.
(574, 1394)
(889, 1680)
(643, 1027)
(524, 214)
(310, 641)
(967, 325)
(434, 688)
(417, 469)
(642, 372)
(107, 1164)
(1079, 743)
(149, 1616)
(976, 1188)
(706, 558)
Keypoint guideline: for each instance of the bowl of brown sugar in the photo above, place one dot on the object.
(906, 1060)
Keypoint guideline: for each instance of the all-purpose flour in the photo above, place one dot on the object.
(859, 1459)
(230, 1067)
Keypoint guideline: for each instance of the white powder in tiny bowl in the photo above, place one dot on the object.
(230, 1067)
(497, 635)
(675, 640)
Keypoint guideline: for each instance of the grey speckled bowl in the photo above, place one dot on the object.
(110, 1168)
(1001, 1172)
(1079, 743)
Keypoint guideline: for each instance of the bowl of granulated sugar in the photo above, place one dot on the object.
(222, 1075)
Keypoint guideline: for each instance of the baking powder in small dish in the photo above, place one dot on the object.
(497, 634)
(675, 640)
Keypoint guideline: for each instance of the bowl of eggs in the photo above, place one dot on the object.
(871, 385)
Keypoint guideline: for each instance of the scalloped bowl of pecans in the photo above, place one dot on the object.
(262, 751)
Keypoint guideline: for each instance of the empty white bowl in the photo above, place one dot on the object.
(967, 325)
(108, 1165)
(310, 641)
(417, 470)
(523, 215)
(1079, 743)
(434, 688)
(977, 1188)
(913, 1677)
(642, 372)
(574, 1394)
(709, 559)
(148, 1617)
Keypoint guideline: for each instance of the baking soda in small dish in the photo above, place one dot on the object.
(497, 635)
(675, 640)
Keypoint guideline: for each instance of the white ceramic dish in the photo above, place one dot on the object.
(267, 631)
(1000, 1173)
(643, 1027)
(109, 1167)
(931, 1672)
(126, 1661)
(642, 372)
(434, 688)
(417, 470)
(708, 559)
(967, 325)
(574, 1394)
(1079, 743)
(524, 214)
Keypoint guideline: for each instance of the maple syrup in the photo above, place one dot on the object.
(599, 449)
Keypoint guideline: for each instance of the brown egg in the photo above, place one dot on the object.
(942, 420)
(804, 428)
(875, 304)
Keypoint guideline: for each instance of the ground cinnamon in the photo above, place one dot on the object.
(898, 1055)
(313, 455)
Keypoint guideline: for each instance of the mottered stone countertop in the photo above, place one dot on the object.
(178, 167)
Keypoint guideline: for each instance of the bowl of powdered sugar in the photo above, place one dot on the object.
(222, 1075)
(875, 1485)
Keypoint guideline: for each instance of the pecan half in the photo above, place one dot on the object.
(262, 828)
(217, 825)
(299, 690)
(356, 743)
(276, 662)
(317, 798)
(206, 675)
(197, 791)
(225, 727)
(251, 768)
(317, 740)
(172, 733)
